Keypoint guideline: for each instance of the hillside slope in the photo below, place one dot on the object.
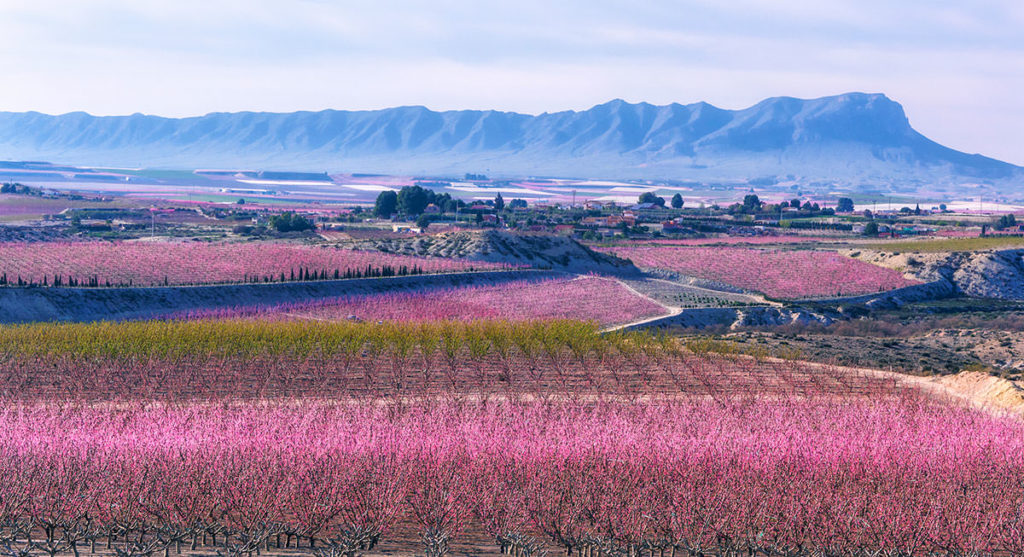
(995, 274)
(853, 138)
(540, 251)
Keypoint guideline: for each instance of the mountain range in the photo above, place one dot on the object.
(851, 139)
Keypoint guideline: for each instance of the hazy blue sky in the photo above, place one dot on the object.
(957, 67)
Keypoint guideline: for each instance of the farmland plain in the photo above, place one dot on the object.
(710, 394)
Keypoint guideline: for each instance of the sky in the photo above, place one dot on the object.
(957, 67)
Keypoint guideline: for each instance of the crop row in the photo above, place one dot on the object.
(780, 274)
(181, 361)
(602, 300)
(187, 263)
(899, 477)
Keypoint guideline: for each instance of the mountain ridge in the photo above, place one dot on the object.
(848, 138)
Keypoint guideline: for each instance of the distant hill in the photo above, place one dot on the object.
(853, 138)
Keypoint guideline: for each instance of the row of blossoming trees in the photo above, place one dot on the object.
(184, 361)
(244, 437)
(604, 300)
(694, 478)
(782, 274)
(188, 263)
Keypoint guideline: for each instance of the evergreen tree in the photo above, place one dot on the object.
(413, 199)
(386, 205)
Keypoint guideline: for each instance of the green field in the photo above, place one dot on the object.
(948, 245)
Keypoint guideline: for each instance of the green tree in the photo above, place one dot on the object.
(386, 205)
(444, 203)
(677, 201)
(423, 222)
(794, 203)
(871, 229)
(751, 203)
(845, 205)
(290, 222)
(412, 200)
(1006, 221)
(499, 202)
(649, 197)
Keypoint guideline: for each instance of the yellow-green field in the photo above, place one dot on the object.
(948, 244)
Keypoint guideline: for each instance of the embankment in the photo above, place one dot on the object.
(26, 305)
(823, 311)
(890, 299)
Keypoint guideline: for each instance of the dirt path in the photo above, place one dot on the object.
(672, 310)
(669, 310)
